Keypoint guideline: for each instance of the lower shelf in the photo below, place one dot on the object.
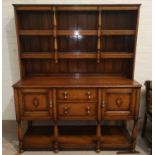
(76, 137)
(38, 137)
(114, 137)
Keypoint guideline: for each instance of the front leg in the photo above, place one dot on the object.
(134, 136)
(133, 139)
(20, 137)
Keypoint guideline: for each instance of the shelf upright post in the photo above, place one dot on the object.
(55, 35)
(99, 36)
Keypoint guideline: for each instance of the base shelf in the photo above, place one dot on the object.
(76, 137)
(114, 137)
(38, 137)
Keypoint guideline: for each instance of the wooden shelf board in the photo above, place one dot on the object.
(41, 135)
(96, 8)
(77, 80)
(112, 136)
(115, 136)
(73, 32)
(80, 32)
(118, 32)
(77, 55)
(36, 55)
(115, 55)
(33, 8)
(35, 32)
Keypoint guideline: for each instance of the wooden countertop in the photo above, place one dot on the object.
(77, 80)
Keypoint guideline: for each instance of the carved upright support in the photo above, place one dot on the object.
(55, 35)
(134, 135)
(99, 37)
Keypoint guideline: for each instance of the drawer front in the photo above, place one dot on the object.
(36, 103)
(76, 94)
(118, 102)
(77, 110)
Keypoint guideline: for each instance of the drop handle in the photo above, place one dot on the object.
(51, 104)
(103, 104)
(88, 110)
(89, 95)
(65, 95)
(66, 110)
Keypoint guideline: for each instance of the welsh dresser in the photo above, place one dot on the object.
(77, 72)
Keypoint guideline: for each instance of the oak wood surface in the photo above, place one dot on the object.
(77, 64)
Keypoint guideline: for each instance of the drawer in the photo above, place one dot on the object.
(77, 110)
(77, 94)
(118, 102)
(36, 103)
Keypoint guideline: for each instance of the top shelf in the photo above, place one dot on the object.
(75, 7)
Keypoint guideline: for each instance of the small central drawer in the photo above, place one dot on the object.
(76, 94)
(74, 111)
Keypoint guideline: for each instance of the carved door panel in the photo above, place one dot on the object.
(36, 103)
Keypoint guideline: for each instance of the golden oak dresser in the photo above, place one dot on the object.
(77, 71)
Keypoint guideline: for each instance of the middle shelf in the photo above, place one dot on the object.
(76, 32)
(75, 55)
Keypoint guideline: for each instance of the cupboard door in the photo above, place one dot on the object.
(36, 103)
(118, 103)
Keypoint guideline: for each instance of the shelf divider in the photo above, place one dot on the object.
(55, 35)
(99, 36)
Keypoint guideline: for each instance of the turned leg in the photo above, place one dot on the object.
(134, 136)
(133, 140)
(56, 144)
(20, 136)
(144, 125)
(98, 143)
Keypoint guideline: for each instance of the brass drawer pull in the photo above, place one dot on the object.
(88, 110)
(66, 110)
(51, 104)
(103, 104)
(89, 95)
(65, 95)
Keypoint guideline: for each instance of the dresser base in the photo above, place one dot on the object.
(76, 138)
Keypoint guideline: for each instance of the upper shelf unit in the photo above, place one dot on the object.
(77, 31)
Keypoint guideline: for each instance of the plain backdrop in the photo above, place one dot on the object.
(10, 65)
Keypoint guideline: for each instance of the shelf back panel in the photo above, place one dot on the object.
(80, 20)
(35, 20)
(37, 43)
(72, 66)
(119, 20)
(117, 43)
(77, 44)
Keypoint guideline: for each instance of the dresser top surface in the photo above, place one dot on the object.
(77, 80)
